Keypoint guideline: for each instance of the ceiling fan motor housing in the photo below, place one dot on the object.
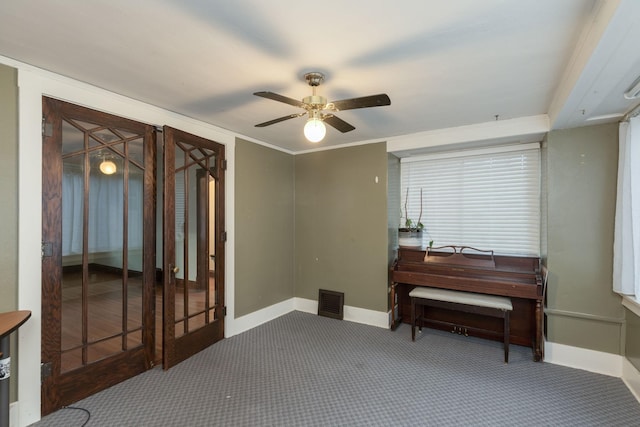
(315, 101)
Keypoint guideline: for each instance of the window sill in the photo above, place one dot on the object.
(632, 303)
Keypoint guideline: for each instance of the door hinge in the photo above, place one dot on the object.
(224, 165)
(45, 371)
(47, 128)
(224, 310)
(224, 236)
(46, 250)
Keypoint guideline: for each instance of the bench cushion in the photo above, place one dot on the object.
(461, 297)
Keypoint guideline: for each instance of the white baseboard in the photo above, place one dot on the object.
(351, 314)
(257, 318)
(582, 358)
(631, 378)
(366, 317)
(305, 305)
(13, 414)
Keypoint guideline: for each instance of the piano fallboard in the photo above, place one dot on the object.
(529, 289)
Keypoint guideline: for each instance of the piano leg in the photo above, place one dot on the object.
(393, 296)
(506, 334)
(413, 319)
(538, 351)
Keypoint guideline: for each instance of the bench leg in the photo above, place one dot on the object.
(413, 319)
(507, 332)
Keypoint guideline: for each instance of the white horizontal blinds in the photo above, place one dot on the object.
(487, 199)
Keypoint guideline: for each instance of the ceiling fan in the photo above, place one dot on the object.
(320, 111)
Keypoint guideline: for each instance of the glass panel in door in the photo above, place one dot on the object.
(101, 234)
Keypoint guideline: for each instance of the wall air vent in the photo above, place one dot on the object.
(331, 304)
(634, 90)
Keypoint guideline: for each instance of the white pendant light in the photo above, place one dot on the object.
(108, 167)
(315, 130)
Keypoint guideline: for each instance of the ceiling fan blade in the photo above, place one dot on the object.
(337, 123)
(281, 98)
(280, 119)
(363, 102)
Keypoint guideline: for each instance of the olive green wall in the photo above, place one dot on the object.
(393, 207)
(9, 197)
(632, 338)
(583, 311)
(341, 224)
(264, 227)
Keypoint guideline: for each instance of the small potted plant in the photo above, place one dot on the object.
(410, 235)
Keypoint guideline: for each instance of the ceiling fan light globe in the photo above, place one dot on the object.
(108, 167)
(314, 130)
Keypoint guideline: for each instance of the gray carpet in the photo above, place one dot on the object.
(305, 370)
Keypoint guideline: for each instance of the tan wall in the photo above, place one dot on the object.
(264, 227)
(9, 197)
(632, 338)
(582, 173)
(341, 225)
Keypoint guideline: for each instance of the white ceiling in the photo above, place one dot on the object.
(449, 67)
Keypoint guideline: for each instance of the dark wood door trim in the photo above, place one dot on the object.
(51, 274)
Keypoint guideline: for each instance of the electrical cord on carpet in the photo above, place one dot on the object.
(80, 409)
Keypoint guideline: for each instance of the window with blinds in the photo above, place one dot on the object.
(486, 199)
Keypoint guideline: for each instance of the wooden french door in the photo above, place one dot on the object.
(98, 251)
(193, 262)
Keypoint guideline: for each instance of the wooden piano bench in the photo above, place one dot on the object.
(469, 302)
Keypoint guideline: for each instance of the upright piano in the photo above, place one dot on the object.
(519, 278)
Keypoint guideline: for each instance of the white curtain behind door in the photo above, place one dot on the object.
(105, 222)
